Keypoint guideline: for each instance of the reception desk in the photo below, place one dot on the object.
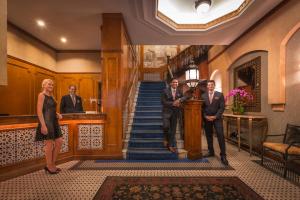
(84, 138)
(249, 119)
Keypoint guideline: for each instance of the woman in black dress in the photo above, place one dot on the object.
(48, 129)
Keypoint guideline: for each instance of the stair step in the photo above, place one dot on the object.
(149, 107)
(146, 135)
(147, 120)
(145, 90)
(149, 95)
(149, 99)
(147, 124)
(147, 131)
(143, 134)
(149, 103)
(149, 116)
(149, 113)
(153, 87)
(160, 154)
(146, 143)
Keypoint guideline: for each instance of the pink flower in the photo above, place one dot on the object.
(241, 96)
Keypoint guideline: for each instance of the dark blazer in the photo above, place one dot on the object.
(167, 101)
(67, 106)
(216, 108)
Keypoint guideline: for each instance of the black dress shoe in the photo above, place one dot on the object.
(224, 160)
(49, 171)
(208, 155)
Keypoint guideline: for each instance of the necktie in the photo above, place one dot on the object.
(210, 97)
(74, 100)
(174, 94)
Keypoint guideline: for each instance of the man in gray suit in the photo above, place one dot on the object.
(171, 99)
(213, 108)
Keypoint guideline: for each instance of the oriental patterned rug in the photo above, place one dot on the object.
(210, 188)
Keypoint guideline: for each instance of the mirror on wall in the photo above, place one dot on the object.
(248, 76)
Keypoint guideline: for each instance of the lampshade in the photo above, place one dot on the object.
(192, 75)
(202, 6)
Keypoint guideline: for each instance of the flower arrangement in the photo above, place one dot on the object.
(241, 98)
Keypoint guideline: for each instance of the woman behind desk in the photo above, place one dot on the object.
(48, 129)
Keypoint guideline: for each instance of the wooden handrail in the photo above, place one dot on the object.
(180, 63)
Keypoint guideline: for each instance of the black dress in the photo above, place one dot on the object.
(51, 121)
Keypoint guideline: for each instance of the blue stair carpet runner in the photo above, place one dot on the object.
(146, 137)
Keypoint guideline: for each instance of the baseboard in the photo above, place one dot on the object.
(29, 167)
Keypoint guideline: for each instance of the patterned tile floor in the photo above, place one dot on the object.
(83, 184)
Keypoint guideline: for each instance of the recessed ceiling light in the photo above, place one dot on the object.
(63, 39)
(40, 23)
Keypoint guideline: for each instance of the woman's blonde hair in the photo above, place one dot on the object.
(45, 81)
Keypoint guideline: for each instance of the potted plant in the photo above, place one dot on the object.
(240, 98)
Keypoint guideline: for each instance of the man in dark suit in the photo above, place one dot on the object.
(213, 108)
(71, 103)
(171, 99)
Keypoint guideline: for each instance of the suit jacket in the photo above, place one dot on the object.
(216, 108)
(67, 106)
(167, 101)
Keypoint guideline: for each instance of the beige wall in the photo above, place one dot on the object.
(268, 36)
(3, 42)
(78, 62)
(26, 48)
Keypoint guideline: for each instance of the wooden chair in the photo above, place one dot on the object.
(289, 148)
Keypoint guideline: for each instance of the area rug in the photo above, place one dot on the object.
(201, 164)
(210, 188)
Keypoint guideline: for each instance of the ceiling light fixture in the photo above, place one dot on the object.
(40, 23)
(63, 40)
(202, 6)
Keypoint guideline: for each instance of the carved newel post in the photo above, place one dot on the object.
(192, 128)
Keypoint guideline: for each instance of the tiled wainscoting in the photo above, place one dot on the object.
(18, 145)
(20, 152)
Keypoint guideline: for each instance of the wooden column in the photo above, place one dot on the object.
(111, 46)
(203, 69)
(192, 128)
(3, 42)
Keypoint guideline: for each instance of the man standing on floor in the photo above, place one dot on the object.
(171, 99)
(71, 103)
(213, 108)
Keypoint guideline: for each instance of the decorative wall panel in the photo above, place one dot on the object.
(65, 132)
(7, 147)
(25, 145)
(20, 145)
(90, 136)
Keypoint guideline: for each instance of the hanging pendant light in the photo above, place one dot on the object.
(202, 6)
